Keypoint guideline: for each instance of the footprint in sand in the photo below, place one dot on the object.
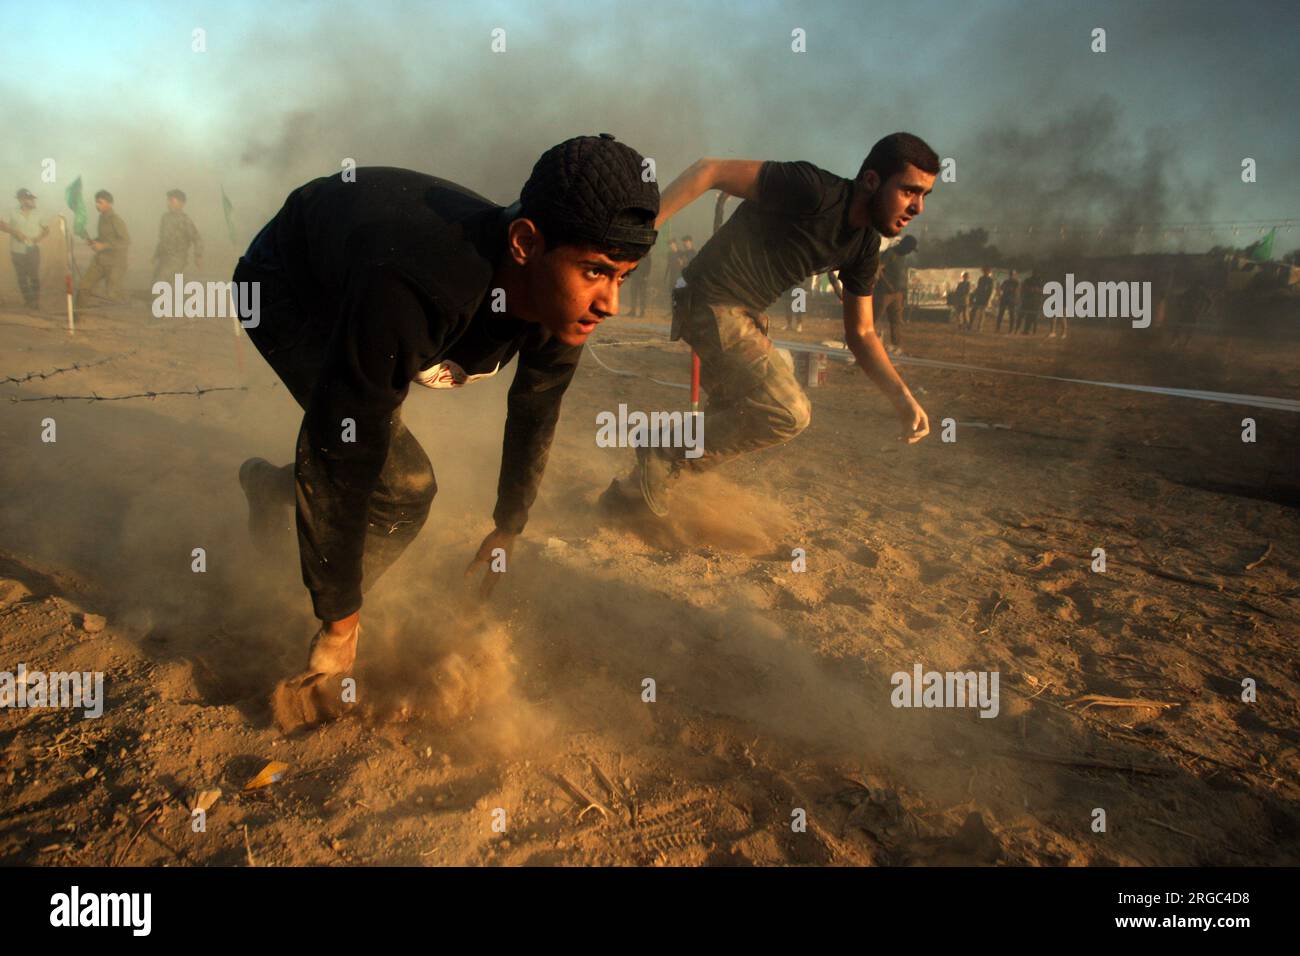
(932, 572)
(867, 556)
(851, 597)
(1086, 610)
(920, 621)
(1058, 606)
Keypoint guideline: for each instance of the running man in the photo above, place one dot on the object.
(796, 220)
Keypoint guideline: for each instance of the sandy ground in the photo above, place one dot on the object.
(1120, 691)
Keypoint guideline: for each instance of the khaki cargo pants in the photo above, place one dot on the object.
(754, 400)
(108, 269)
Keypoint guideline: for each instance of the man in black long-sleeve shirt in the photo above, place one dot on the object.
(367, 286)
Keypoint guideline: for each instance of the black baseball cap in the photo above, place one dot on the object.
(592, 188)
(25, 194)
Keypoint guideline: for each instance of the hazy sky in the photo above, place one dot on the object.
(1042, 128)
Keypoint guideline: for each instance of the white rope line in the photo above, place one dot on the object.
(619, 371)
(843, 354)
(1227, 398)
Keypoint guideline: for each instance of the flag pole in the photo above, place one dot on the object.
(67, 271)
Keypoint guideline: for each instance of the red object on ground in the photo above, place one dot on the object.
(695, 381)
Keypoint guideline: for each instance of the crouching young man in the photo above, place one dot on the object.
(796, 220)
(398, 277)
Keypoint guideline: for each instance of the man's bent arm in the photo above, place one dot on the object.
(533, 409)
(735, 177)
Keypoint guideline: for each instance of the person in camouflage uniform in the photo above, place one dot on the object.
(110, 247)
(177, 234)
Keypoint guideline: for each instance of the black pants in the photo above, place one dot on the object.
(293, 341)
(1009, 310)
(28, 266)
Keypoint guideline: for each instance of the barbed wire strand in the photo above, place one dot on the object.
(195, 392)
(74, 367)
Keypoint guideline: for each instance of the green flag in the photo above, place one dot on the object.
(78, 207)
(1262, 251)
(229, 210)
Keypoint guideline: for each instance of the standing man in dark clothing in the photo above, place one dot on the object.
(110, 245)
(960, 303)
(26, 231)
(891, 290)
(177, 236)
(1031, 303)
(400, 278)
(796, 220)
(1008, 301)
(980, 301)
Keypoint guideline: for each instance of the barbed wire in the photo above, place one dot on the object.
(195, 392)
(74, 367)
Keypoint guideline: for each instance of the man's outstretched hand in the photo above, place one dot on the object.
(496, 539)
(916, 424)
